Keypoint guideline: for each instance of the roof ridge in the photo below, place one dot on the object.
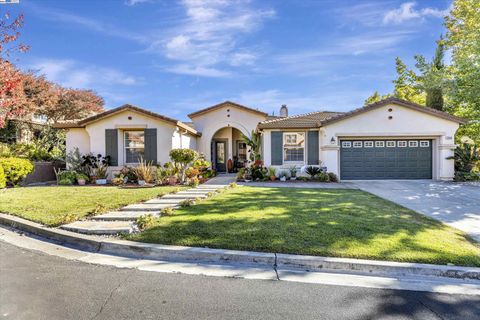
(297, 116)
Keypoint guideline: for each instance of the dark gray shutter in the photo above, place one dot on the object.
(151, 145)
(111, 145)
(312, 147)
(276, 148)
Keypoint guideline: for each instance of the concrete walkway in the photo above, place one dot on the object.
(123, 220)
(300, 184)
(455, 204)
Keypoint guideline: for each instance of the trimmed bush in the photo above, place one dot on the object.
(66, 176)
(15, 169)
(333, 177)
(3, 179)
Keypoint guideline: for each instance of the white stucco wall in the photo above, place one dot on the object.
(78, 138)
(267, 150)
(228, 116)
(405, 123)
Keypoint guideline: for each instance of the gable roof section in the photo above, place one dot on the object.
(223, 104)
(301, 121)
(82, 123)
(395, 101)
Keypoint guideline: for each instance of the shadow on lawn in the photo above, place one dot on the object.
(331, 222)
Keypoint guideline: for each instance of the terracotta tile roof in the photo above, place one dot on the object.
(82, 123)
(301, 121)
(395, 101)
(323, 118)
(223, 104)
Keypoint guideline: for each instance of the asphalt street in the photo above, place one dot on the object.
(35, 285)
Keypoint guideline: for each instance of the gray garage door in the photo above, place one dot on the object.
(385, 159)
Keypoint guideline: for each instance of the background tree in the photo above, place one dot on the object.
(11, 96)
(406, 84)
(463, 39)
(73, 104)
(433, 77)
(375, 97)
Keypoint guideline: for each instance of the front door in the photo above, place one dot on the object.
(220, 156)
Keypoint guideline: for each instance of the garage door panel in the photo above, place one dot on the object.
(405, 159)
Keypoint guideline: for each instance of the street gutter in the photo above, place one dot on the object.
(139, 250)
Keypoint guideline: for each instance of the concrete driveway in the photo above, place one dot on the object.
(456, 204)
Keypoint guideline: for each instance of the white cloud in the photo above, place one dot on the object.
(198, 71)
(70, 73)
(55, 15)
(135, 2)
(408, 12)
(271, 100)
(206, 41)
(338, 52)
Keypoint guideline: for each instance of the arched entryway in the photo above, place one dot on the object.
(228, 151)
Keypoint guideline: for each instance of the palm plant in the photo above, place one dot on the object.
(254, 142)
(312, 171)
(466, 157)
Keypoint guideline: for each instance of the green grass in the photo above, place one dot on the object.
(57, 205)
(326, 222)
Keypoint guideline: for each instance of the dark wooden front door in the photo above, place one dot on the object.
(221, 156)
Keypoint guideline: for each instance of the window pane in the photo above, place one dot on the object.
(293, 154)
(134, 146)
(134, 139)
(133, 155)
(220, 152)
(294, 139)
(242, 151)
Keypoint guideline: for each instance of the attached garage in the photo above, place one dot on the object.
(378, 158)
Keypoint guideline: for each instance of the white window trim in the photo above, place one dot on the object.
(346, 144)
(358, 146)
(379, 144)
(389, 142)
(125, 147)
(370, 144)
(399, 144)
(424, 143)
(304, 147)
(413, 144)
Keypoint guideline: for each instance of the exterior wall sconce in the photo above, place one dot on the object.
(332, 141)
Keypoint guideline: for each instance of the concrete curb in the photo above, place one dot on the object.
(204, 255)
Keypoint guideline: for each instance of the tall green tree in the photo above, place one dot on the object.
(406, 84)
(433, 79)
(463, 39)
(375, 97)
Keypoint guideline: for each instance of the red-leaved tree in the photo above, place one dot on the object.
(74, 104)
(11, 83)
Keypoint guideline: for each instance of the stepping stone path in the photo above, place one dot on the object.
(123, 220)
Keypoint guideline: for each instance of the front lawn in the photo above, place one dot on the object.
(325, 222)
(54, 206)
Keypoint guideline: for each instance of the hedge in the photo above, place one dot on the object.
(15, 169)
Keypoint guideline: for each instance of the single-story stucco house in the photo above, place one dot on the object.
(390, 139)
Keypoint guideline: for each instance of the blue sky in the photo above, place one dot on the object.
(175, 57)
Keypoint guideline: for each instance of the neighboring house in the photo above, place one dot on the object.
(390, 139)
(22, 130)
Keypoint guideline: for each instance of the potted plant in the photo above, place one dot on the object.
(271, 173)
(293, 173)
(283, 175)
(101, 174)
(82, 179)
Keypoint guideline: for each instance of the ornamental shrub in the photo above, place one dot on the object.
(66, 176)
(182, 158)
(3, 179)
(15, 169)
